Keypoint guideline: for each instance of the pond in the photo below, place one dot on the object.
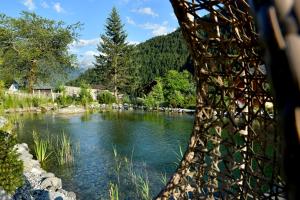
(150, 140)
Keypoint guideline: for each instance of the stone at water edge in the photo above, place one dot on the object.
(52, 183)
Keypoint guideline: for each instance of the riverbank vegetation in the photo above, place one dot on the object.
(58, 148)
(11, 168)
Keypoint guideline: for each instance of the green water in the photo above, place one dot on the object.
(151, 139)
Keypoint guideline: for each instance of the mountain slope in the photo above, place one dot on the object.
(155, 57)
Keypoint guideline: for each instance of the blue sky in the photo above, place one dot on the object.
(143, 19)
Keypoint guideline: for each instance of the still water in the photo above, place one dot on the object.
(150, 140)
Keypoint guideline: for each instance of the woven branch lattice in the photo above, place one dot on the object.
(234, 149)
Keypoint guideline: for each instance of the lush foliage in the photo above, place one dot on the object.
(41, 148)
(106, 98)
(63, 99)
(14, 101)
(176, 90)
(149, 60)
(11, 168)
(160, 54)
(156, 97)
(33, 48)
(85, 96)
(179, 89)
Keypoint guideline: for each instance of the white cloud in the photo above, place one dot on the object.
(57, 7)
(133, 42)
(29, 4)
(44, 4)
(87, 59)
(83, 43)
(157, 29)
(146, 11)
(130, 21)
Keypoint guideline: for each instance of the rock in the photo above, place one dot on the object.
(48, 175)
(71, 109)
(3, 195)
(71, 196)
(51, 184)
(39, 184)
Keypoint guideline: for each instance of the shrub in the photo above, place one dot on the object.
(35, 102)
(64, 100)
(106, 97)
(85, 96)
(11, 168)
(126, 99)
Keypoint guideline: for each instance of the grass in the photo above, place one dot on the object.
(14, 101)
(144, 189)
(114, 192)
(179, 155)
(61, 146)
(64, 153)
(41, 148)
(127, 177)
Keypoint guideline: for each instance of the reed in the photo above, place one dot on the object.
(64, 152)
(114, 192)
(41, 148)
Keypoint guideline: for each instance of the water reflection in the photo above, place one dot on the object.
(150, 138)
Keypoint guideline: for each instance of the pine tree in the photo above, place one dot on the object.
(112, 63)
(11, 168)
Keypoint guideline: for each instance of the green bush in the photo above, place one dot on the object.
(85, 96)
(64, 100)
(11, 168)
(106, 97)
(126, 99)
(35, 102)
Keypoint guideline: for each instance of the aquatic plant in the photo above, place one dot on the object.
(41, 147)
(144, 188)
(137, 181)
(114, 192)
(64, 152)
(118, 163)
(179, 155)
(163, 178)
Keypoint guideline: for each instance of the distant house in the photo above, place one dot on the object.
(46, 91)
(14, 87)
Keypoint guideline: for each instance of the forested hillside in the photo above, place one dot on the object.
(160, 54)
(154, 58)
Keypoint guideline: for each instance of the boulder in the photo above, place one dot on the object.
(52, 184)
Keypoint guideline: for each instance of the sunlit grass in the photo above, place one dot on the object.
(64, 153)
(179, 155)
(41, 148)
(137, 181)
(114, 192)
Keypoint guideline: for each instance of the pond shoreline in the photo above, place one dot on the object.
(38, 184)
(100, 107)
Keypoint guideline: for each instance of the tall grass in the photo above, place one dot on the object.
(61, 146)
(41, 148)
(179, 155)
(64, 152)
(114, 192)
(13, 101)
(128, 177)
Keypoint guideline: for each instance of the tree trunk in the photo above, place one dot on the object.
(32, 76)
